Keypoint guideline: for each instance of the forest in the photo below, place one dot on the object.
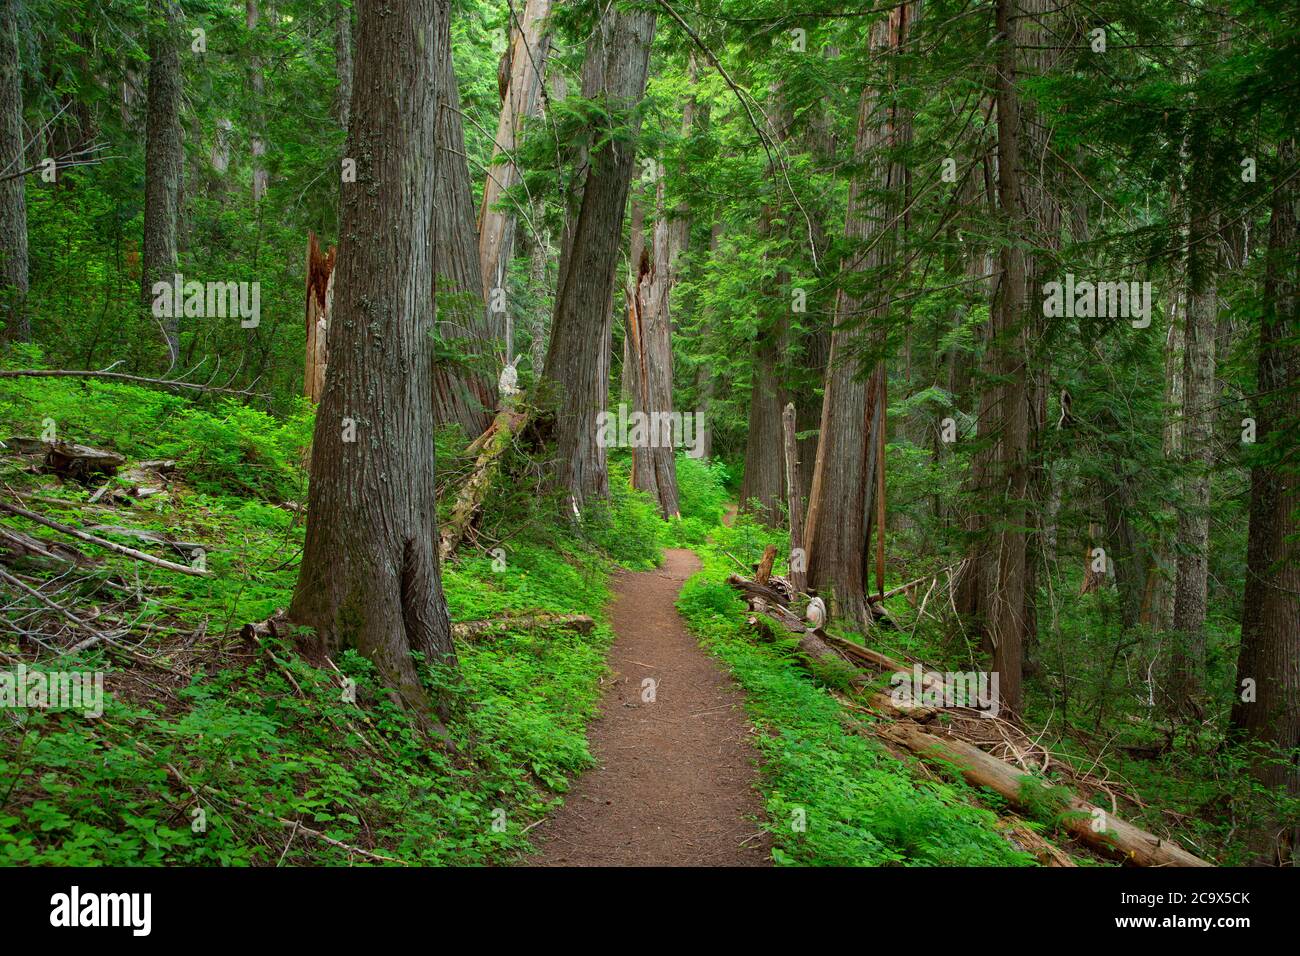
(645, 433)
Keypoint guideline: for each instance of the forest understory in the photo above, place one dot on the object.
(643, 433)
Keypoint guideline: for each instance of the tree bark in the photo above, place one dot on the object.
(464, 391)
(343, 62)
(529, 46)
(999, 562)
(1199, 399)
(853, 414)
(370, 577)
(13, 201)
(162, 163)
(257, 85)
(1270, 623)
(578, 360)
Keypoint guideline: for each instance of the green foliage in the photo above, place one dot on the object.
(260, 735)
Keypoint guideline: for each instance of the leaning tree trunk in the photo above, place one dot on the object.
(1270, 621)
(369, 577)
(464, 392)
(162, 164)
(529, 45)
(578, 360)
(13, 201)
(853, 414)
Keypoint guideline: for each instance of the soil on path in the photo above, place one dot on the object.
(674, 780)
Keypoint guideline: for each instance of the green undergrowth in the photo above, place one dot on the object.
(227, 752)
(833, 796)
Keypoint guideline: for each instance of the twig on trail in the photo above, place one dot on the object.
(103, 542)
(124, 377)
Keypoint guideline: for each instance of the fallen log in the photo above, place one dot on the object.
(474, 630)
(492, 444)
(80, 462)
(103, 542)
(1114, 837)
(755, 590)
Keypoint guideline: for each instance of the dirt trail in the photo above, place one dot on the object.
(674, 780)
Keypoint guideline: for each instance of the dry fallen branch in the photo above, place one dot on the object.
(124, 377)
(103, 542)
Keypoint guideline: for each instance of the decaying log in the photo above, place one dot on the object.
(80, 462)
(473, 630)
(1100, 829)
(1114, 837)
(764, 572)
(754, 589)
(103, 542)
(494, 442)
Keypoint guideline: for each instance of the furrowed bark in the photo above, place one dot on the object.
(370, 577)
(13, 201)
(578, 360)
(529, 47)
(1270, 625)
(464, 392)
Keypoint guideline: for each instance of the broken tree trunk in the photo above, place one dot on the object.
(320, 296)
(491, 445)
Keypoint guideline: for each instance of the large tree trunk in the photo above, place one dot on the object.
(162, 164)
(1270, 622)
(998, 565)
(656, 352)
(369, 577)
(529, 45)
(762, 487)
(578, 360)
(464, 393)
(13, 201)
(853, 414)
(1199, 400)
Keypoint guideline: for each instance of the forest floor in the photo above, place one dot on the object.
(675, 780)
